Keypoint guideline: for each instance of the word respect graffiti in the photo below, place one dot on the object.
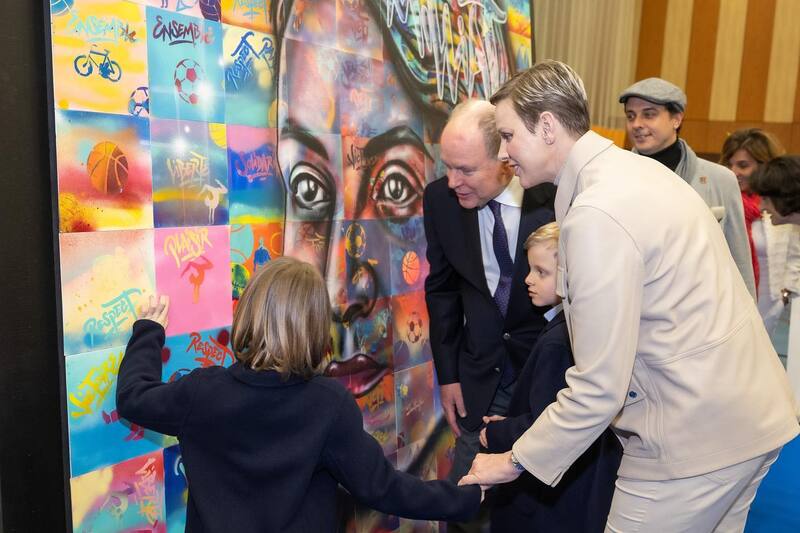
(116, 313)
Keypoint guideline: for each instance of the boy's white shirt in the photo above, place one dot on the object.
(551, 314)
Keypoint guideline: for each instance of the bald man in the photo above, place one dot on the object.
(482, 322)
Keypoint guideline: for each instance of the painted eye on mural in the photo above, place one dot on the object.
(397, 190)
(311, 189)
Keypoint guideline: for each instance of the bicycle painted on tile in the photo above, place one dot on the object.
(106, 67)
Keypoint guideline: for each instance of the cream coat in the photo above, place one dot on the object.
(669, 347)
(780, 267)
(719, 189)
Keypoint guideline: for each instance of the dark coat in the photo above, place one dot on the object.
(581, 501)
(266, 454)
(472, 352)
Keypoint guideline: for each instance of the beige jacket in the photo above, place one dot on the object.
(669, 347)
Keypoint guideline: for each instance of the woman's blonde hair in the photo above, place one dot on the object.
(547, 86)
(283, 319)
(547, 234)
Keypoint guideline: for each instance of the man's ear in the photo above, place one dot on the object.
(677, 120)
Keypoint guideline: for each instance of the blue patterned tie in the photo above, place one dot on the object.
(501, 253)
(503, 292)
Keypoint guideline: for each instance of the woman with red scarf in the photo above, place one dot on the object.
(775, 249)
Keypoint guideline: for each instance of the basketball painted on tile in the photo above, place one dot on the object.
(107, 167)
(410, 267)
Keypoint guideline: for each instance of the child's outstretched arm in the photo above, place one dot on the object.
(142, 397)
(356, 460)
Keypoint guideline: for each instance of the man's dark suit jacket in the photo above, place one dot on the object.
(582, 499)
(470, 338)
(264, 453)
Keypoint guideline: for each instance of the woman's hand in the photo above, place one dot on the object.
(156, 309)
(490, 469)
(786, 295)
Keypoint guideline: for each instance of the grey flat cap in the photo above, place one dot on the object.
(657, 91)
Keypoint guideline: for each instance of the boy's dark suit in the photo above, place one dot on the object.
(581, 500)
(470, 338)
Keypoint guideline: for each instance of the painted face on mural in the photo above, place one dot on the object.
(353, 163)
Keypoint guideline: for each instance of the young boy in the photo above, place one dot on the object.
(582, 499)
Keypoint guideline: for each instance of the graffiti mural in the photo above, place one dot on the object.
(198, 139)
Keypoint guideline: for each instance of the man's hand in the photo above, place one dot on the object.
(452, 403)
(487, 420)
(490, 469)
(156, 309)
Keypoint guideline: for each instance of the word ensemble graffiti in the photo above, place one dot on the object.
(176, 32)
(100, 29)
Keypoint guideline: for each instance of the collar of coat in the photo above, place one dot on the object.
(589, 146)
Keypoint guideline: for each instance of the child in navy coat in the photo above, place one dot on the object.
(266, 442)
(581, 501)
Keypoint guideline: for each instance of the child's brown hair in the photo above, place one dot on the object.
(283, 319)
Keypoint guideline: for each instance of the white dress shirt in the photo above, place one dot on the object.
(551, 313)
(511, 207)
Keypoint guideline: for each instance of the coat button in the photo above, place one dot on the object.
(632, 394)
(506, 336)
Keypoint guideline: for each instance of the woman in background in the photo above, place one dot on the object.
(776, 249)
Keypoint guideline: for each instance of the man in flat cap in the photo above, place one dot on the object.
(654, 109)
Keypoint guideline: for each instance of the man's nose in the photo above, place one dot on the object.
(453, 178)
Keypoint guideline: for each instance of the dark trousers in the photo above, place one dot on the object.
(467, 447)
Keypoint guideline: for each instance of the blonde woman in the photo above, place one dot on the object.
(669, 348)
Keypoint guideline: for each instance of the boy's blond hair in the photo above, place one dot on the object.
(283, 319)
(547, 234)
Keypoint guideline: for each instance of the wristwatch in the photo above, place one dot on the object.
(516, 463)
(785, 293)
